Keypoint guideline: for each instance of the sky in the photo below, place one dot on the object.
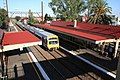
(35, 6)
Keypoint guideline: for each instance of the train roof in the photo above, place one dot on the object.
(44, 33)
(40, 32)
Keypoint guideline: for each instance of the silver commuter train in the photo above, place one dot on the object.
(49, 40)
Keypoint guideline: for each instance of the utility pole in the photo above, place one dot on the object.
(42, 10)
(7, 7)
(5, 2)
(2, 56)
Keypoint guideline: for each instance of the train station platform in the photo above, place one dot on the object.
(17, 40)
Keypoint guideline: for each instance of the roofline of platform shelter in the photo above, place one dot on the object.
(87, 39)
(20, 45)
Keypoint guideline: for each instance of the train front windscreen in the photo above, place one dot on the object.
(53, 42)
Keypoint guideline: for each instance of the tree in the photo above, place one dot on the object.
(68, 9)
(4, 19)
(17, 18)
(47, 18)
(90, 4)
(98, 12)
(31, 18)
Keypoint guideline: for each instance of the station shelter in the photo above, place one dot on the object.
(17, 40)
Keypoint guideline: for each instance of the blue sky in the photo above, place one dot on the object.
(35, 6)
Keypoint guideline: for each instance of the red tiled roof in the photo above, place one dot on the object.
(18, 38)
(89, 31)
(101, 29)
(62, 23)
(107, 30)
(74, 32)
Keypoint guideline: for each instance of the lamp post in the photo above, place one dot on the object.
(6, 5)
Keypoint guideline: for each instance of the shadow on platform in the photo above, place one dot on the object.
(15, 52)
(16, 73)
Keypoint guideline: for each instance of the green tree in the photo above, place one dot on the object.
(4, 19)
(31, 18)
(68, 9)
(17, 18)
(98, 12)
(47, 18)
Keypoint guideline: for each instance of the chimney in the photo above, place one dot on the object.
(75, 23)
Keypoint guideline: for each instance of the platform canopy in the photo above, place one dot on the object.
(108, 30)
(84, 31)
(93, 33)
(18, 40)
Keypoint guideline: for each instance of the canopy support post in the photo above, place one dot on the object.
(118, 70)
(116, 48)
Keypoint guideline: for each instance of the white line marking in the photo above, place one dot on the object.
(38, 65)
(15, 29)
(90, 63)
(12, 25)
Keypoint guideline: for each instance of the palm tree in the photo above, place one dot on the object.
(98, 12)
(90, 4)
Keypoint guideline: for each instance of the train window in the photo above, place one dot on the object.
(52, 38)
(53, 42)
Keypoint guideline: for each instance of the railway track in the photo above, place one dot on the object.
(106, 72)
(46, 61)
(65, 66)
(73, 61)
